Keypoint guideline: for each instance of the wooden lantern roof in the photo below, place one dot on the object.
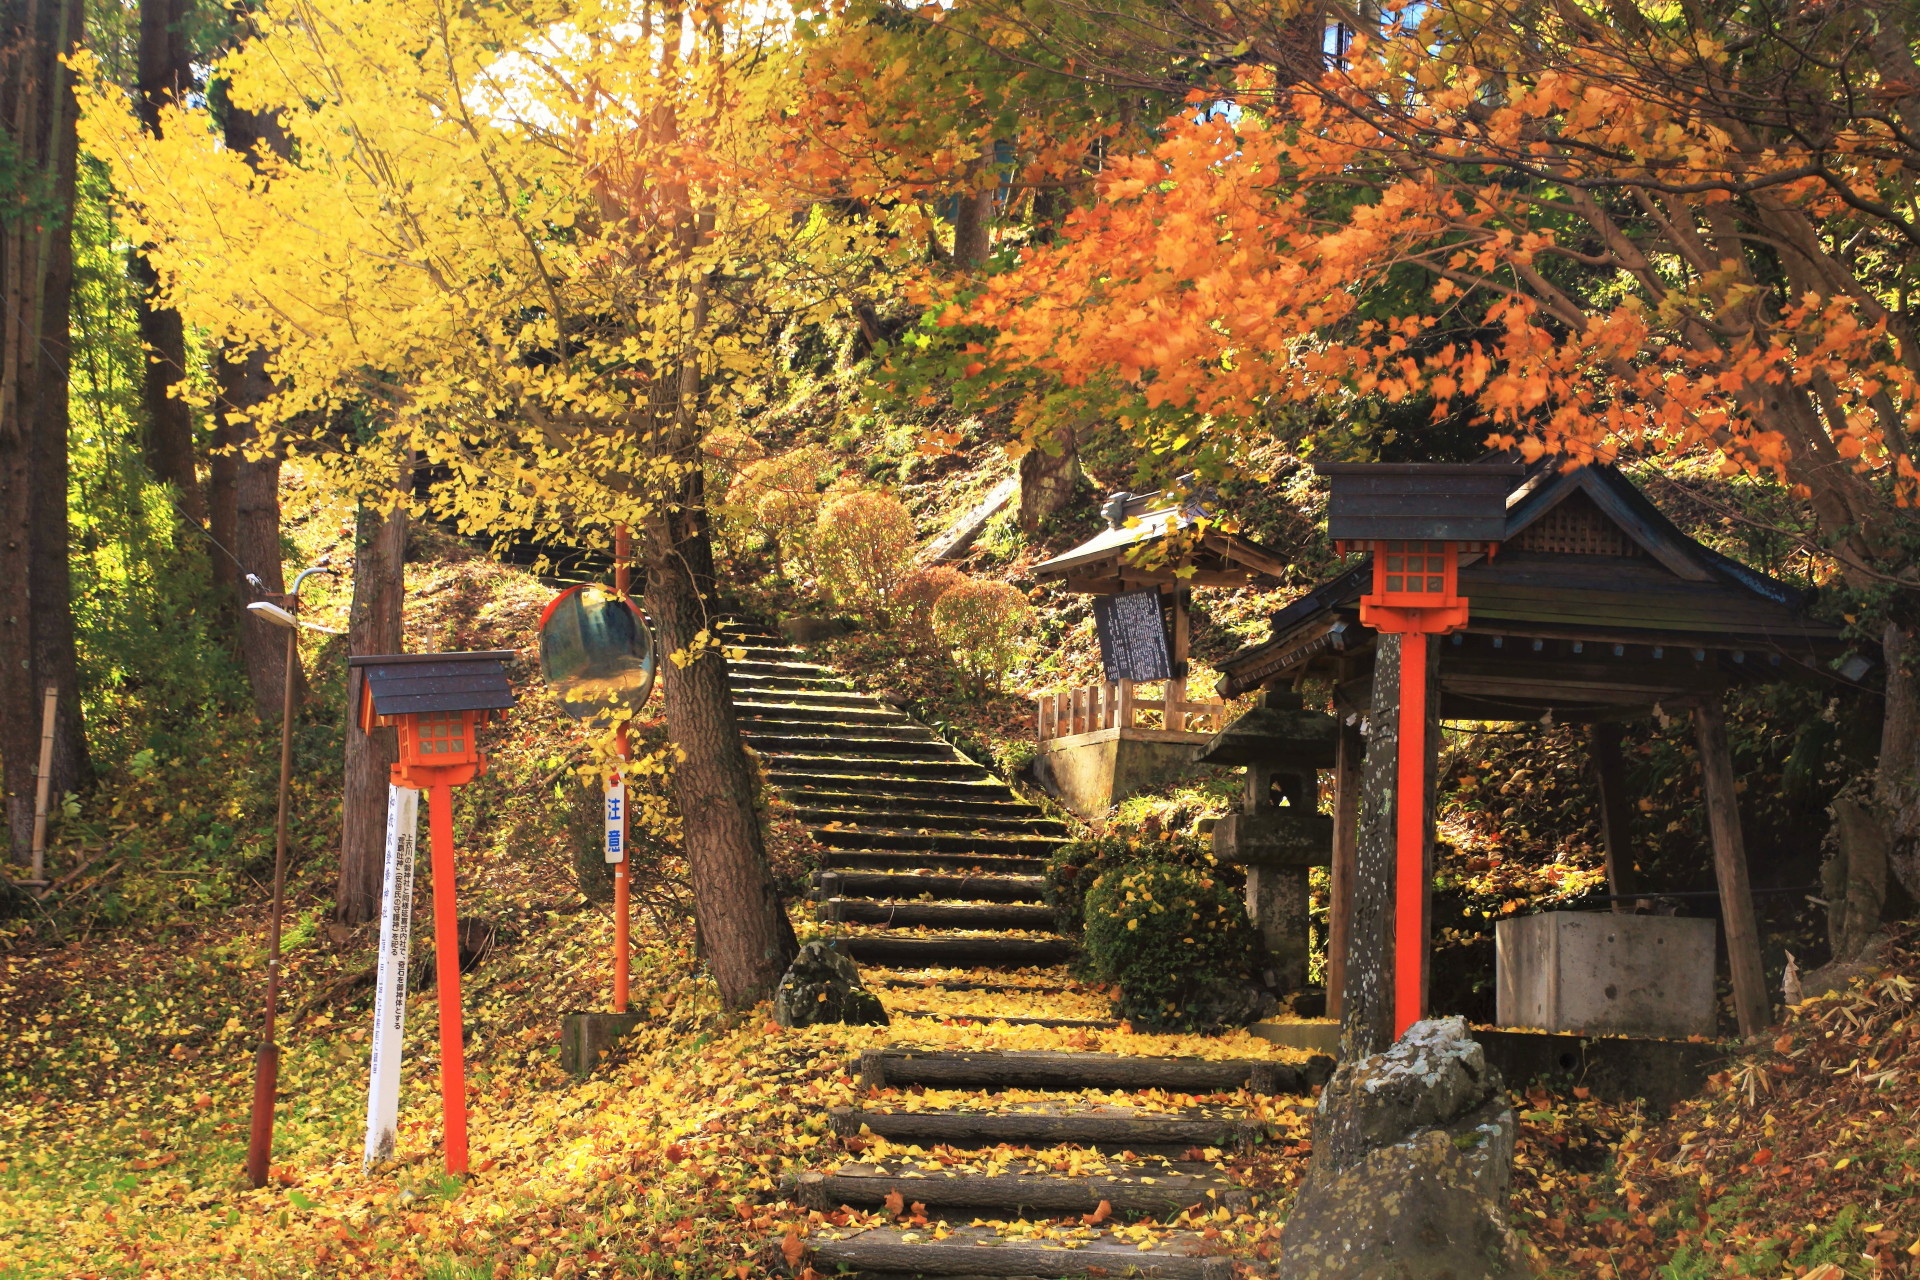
(400, 684)
(1595, 605)
(1429, 501)
(1100, 565)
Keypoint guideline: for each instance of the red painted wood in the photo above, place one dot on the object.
(446, 963)
(1409, 927)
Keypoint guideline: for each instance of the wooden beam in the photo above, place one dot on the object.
(1349, 750)
(1737, 918)
(1238, 551)
(1616, 810)
(1133, 579)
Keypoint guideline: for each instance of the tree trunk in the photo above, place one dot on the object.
(1897, 785)
(1367, 1022)
(252, 485)
(374, 626)
(749, 941)
(973, 229)
(37, 111)
(165, 74)
(1047, 479)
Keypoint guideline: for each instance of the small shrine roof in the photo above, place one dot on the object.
(1218, 559)
(1587, 568)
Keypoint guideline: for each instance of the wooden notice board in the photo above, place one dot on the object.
(1133, 636)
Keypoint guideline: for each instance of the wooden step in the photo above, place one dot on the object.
(1026, 1189)
(785, 664)
(1088, 1024)
(907, 981)
(747, 682)
(1052, 1124)
(879, 837)
(935, 915)
(990, 802)
(948, 952)
(981, 1251)
(782, 765)
(808, 809)
(920, 859)
(905, 1065)
(855, 743)
(772, 708)
(980, 786)
(881, 884)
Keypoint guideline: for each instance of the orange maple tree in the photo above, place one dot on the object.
(1596, 231)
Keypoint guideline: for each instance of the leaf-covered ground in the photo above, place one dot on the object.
(126, 1070)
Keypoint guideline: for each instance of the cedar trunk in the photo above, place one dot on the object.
(246, 518)
(748, 939)
(38, 112)
(374, 626)
(165, 74)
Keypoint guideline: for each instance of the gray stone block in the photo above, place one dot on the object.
(1601, 972)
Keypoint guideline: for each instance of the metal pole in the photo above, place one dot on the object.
(44, 787)
(622, 882)
(1409, 896)
(266, 1066)
(446, 968)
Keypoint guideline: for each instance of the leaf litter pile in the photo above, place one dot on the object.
(1802, 1158)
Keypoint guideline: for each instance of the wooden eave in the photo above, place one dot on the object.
(1672, 593)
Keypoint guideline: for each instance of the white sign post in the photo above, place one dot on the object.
(390, 995)
(617, 818)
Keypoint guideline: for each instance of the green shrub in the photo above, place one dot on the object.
(777, 501)
(982, 623)
(862, 551)
(1075, 865)
(921, 590)
(1176, 941)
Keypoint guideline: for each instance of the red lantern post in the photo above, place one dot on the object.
(1417, 521)
(622, 877)
(438, 701)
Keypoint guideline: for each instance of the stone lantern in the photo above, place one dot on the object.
(1279, 832)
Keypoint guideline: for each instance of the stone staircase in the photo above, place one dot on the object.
(1044, 1164)
(965, 1162)
(931, 860)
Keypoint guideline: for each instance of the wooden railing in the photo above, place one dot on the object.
(1117, 706)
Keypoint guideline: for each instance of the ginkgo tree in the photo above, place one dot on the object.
(542, 244)
(1598, 231)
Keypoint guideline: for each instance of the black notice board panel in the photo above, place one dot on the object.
(1133, 636)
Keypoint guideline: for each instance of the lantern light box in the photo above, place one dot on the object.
(437, 701)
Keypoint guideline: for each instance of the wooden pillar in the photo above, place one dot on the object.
(1126, 704)
(1366, 1024)
(1346, 815)
(1750, 1001)
(1176, 719)
(1616, 811)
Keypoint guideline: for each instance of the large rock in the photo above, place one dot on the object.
(1412, 1157)
(824, 986)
